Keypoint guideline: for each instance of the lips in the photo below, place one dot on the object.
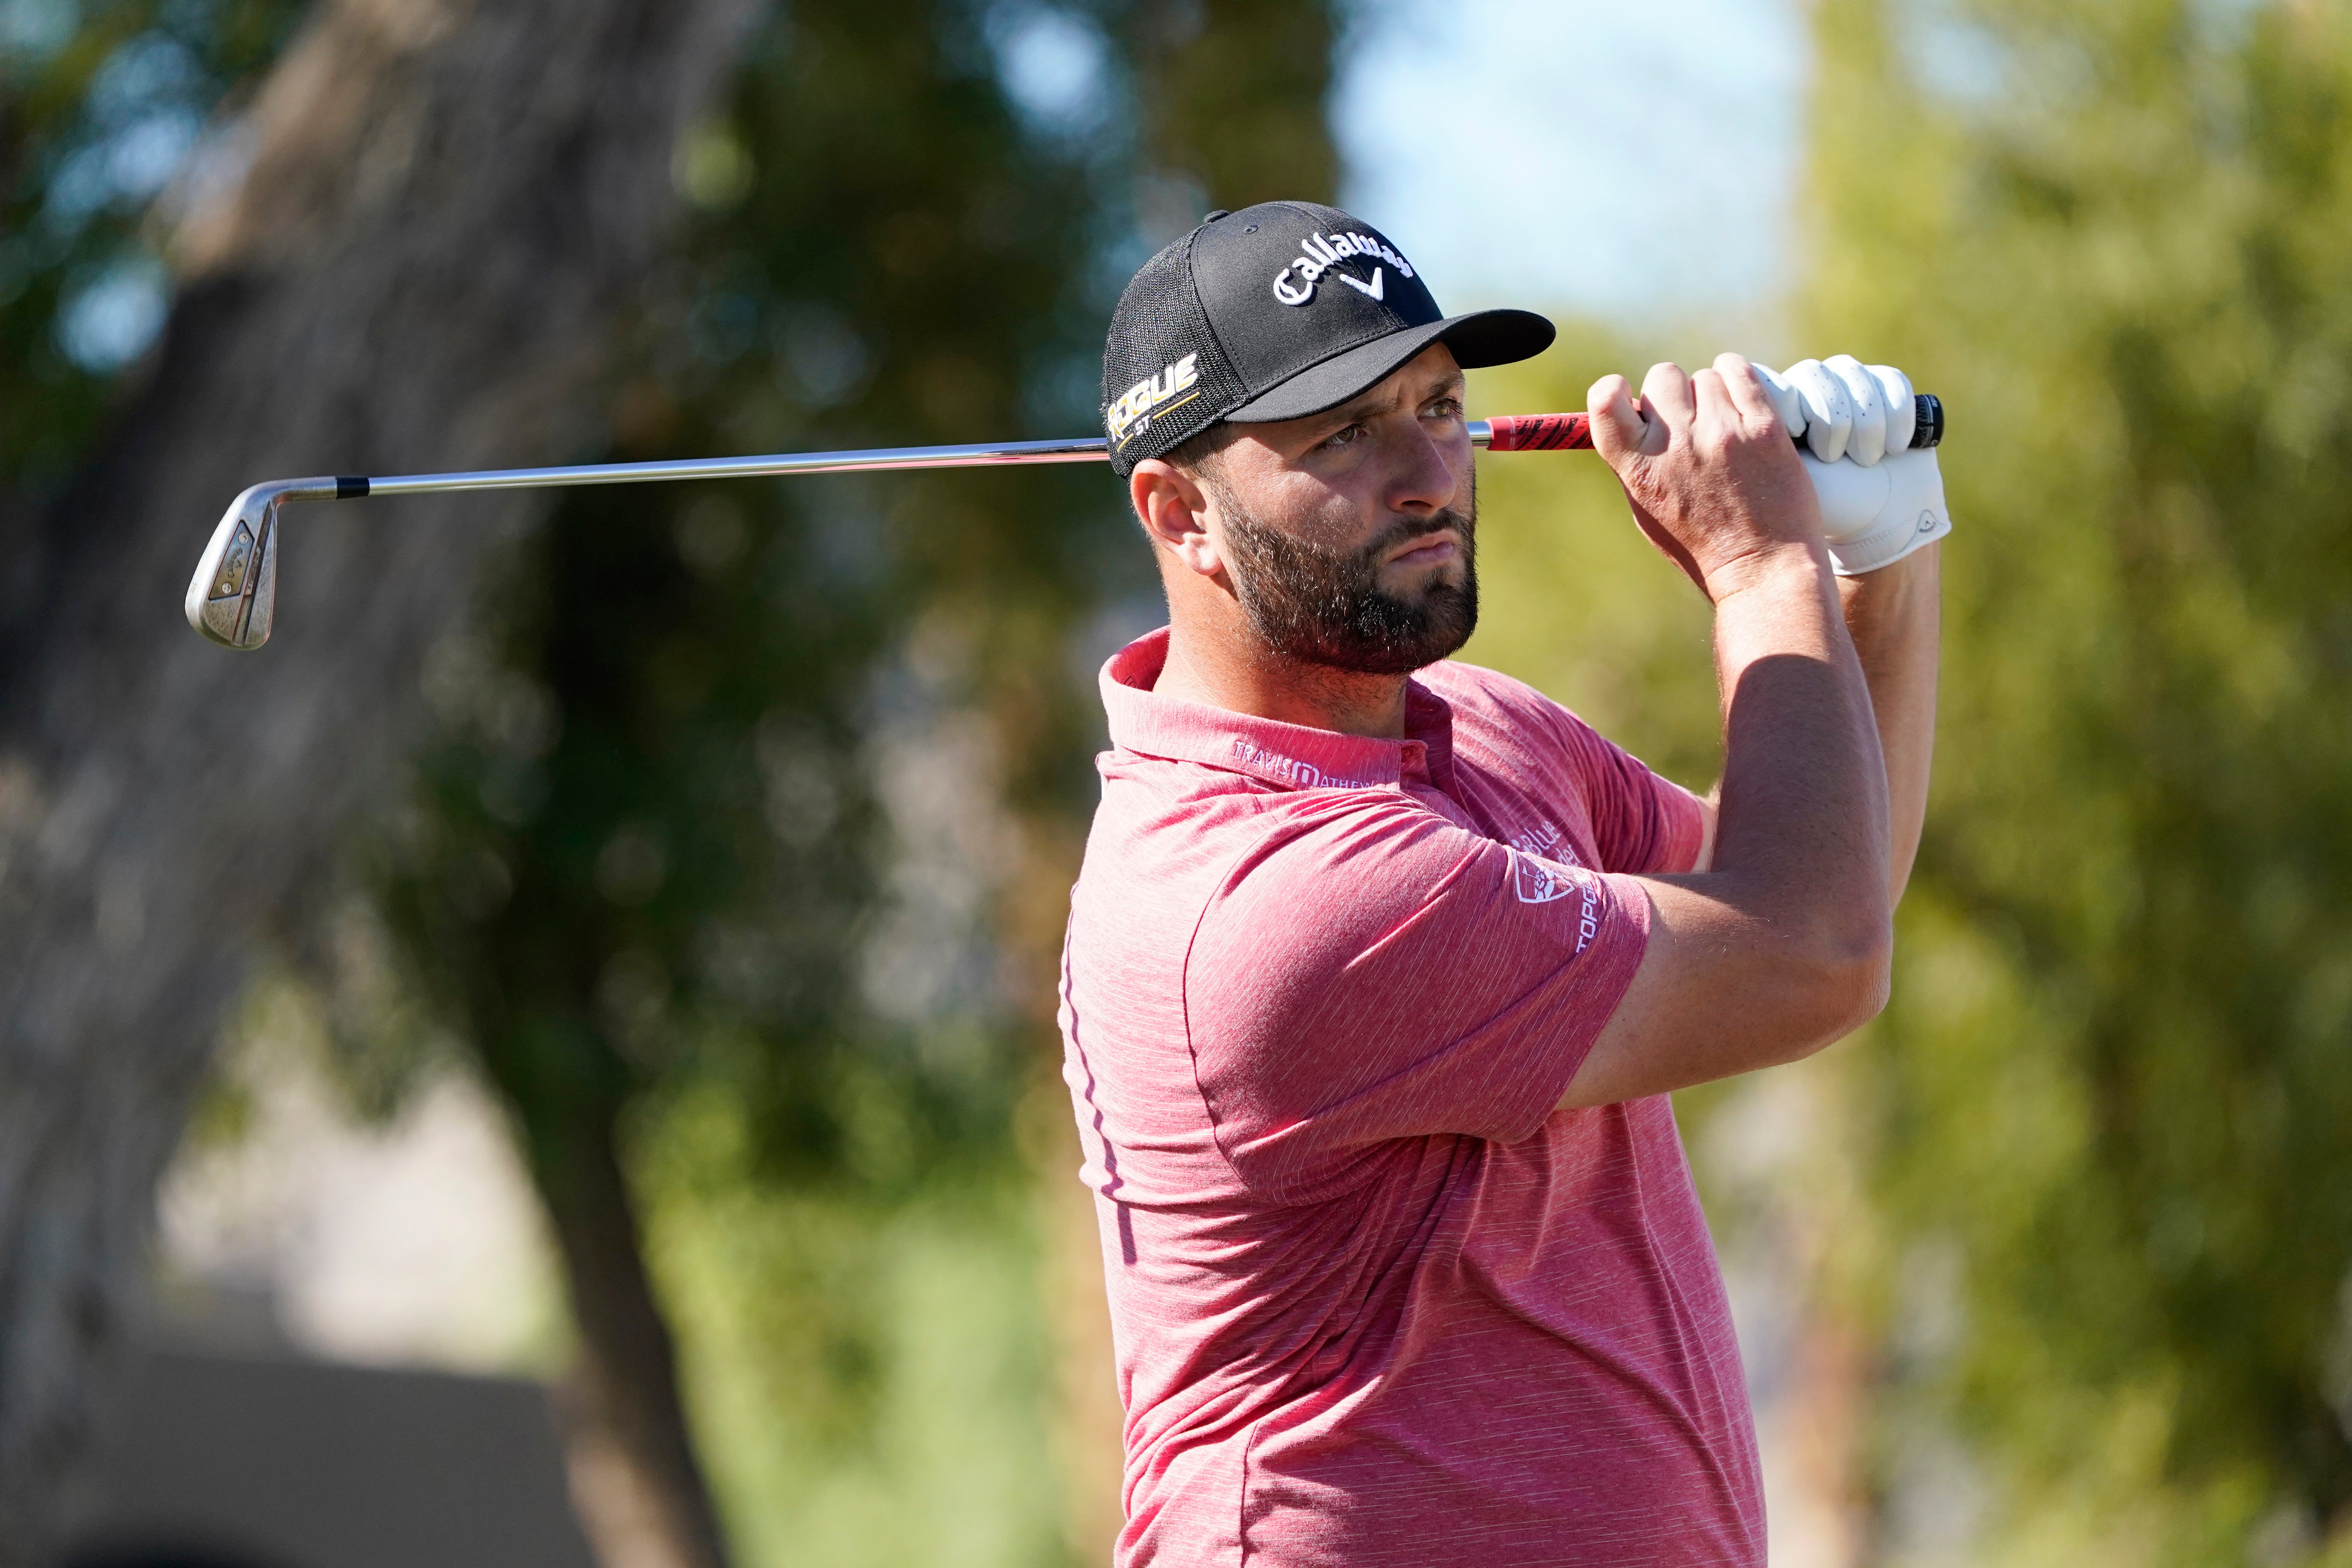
(1430, 550)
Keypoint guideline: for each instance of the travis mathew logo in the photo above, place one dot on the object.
(1325, 251)
(1541, 882)
(1298, 775)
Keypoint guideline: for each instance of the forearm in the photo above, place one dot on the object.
(1894, 615)
(1782, 945)
(1799, 865)
(1801, 812)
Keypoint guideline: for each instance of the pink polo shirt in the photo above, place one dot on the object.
(1375, 1301)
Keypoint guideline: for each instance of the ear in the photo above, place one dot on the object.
(1174, 511)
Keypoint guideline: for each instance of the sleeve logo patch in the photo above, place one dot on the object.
(1536, 882)
(1541, 882)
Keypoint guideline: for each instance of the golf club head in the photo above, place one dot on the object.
(233, 597)
(234, 594)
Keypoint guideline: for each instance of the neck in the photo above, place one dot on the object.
(1242, 675)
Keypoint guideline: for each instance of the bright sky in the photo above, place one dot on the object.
(1611, 158)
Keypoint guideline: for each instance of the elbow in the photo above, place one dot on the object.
(1843, 978)
(1864, 976)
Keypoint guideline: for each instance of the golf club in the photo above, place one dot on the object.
(232, 599)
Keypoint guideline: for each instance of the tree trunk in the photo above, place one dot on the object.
(639, 1490)
(448, 207)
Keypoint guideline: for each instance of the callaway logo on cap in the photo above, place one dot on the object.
(1276, 311)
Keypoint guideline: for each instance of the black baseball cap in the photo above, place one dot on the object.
(1276, 311)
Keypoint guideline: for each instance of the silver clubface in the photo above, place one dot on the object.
(234, 596)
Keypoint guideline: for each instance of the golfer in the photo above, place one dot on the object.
(1382, 967)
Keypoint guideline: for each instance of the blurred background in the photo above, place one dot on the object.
(552, 1061)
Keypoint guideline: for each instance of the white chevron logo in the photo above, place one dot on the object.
(1325, 251)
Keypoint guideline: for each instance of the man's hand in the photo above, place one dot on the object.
(1880, 499)
(1709, 470)
(1874, 517)
(1842, 407)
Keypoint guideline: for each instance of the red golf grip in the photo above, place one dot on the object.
(1539, 433)
(1573, 432)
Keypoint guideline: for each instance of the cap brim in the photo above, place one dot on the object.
(1480, 338)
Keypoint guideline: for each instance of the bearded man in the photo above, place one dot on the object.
(1382, 967)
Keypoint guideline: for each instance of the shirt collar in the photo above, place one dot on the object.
(1289, 756)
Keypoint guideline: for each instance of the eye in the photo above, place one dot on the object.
(1447, 407)
(1340, 440)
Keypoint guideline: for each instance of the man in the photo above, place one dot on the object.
(1380, 967)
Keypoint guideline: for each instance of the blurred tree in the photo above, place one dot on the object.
(1230, 105)
(99, 111)
(2111, 1102)
(742, 849)
(404, 249)
(653, 851)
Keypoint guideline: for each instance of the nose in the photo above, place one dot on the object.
(1425, 471)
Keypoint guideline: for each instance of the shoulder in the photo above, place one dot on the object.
(1330, 878)
(1476, 687)
(1477, 693)
(1362, 842)
(1510, 722)
(1255, 855)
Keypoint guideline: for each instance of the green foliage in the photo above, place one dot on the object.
(868, 1374)
(657, 767)
(2117, 235)
(1232, 96)
(99, 104)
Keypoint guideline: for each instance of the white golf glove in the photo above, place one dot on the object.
(1880, 499)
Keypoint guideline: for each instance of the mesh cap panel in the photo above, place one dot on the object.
(1165, 376)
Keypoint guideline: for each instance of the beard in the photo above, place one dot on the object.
(1326, 607)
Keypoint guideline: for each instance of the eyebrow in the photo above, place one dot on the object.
(1349, 413)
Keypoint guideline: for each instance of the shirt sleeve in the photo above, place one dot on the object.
(1372, 972)
(1641, 822)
